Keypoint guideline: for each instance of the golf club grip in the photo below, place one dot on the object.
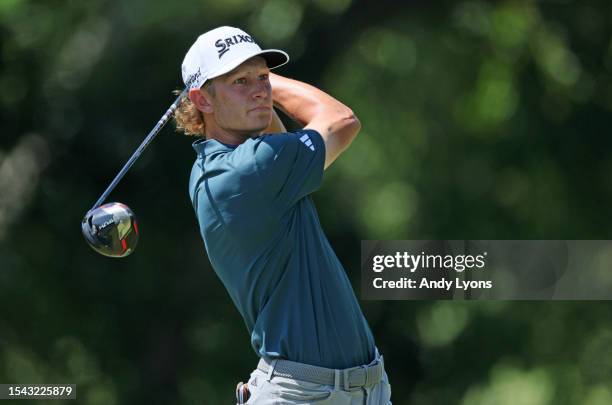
(160, 124)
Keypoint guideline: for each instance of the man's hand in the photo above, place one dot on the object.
(314, 109)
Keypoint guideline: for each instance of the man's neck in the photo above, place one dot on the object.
(230, 138)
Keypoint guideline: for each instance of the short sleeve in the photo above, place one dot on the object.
(290, 165)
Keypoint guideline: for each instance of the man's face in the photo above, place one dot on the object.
(242, 99)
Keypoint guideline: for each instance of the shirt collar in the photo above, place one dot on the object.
(207, 146)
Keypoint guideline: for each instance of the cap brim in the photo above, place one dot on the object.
(274, 58)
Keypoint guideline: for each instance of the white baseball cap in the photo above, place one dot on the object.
(218, 51)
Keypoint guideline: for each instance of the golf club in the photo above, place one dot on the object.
(112, 229)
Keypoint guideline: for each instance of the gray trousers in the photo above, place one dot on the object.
(279, 390)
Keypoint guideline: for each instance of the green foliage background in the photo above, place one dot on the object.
(481, 120)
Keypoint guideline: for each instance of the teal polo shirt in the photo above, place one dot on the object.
(264, 241)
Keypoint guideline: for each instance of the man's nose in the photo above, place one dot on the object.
(262, 90)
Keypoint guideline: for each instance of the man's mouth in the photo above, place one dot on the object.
(261, 108)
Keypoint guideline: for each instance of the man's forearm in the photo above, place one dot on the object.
(315, 109)
(276, 125)
(303, 102)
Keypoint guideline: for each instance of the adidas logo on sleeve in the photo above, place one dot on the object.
(307, 141)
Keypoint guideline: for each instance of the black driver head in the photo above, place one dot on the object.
(111, 229)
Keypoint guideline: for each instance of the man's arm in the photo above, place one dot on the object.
(276, 125)
(314, 109)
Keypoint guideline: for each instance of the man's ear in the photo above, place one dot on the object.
(201, 100)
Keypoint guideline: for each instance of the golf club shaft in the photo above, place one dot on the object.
(160, 124)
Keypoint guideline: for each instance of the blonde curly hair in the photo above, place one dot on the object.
(188, 118)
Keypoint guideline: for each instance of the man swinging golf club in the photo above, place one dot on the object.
(250, 187)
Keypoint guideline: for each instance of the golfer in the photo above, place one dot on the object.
(250, 187)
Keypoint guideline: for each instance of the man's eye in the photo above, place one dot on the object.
(242, 80)
(264, 76)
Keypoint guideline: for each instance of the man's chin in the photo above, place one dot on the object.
(253, 132)
(256, 129)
